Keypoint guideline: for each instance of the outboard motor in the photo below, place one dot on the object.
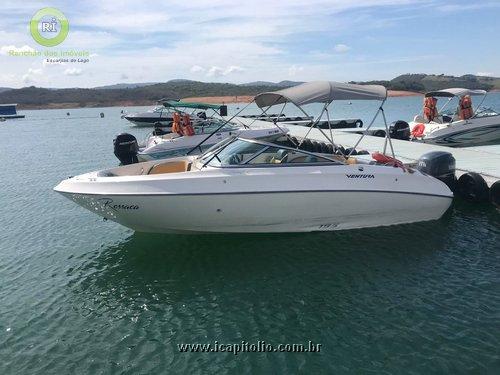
(439, 164)
(126, 148)
(223, 110)
(400, 130)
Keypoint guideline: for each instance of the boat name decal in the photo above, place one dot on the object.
(360, 176)
(108, 203)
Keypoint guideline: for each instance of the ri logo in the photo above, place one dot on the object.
(49, 27)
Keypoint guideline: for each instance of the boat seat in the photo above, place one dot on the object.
(169, 167)
(280, 157)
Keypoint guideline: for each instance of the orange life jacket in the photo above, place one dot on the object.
(430, 110)
(176, 123)
(187, 128)
(465, 110)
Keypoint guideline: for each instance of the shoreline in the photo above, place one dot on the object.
(145, 103)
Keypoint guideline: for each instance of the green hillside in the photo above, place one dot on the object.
(430, 82)
(37, 97)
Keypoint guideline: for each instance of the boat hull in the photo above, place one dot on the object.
(474, 132)
(259, 200)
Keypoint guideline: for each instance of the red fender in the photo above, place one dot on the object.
(387, 160)
(418, 130)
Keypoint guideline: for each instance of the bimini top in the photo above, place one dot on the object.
(449, 93)
(175, 103)
(321, 92)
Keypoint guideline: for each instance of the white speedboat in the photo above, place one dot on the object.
(162, 114)
(464, 128)
(242, 185)
(158, 116)
(207, 133)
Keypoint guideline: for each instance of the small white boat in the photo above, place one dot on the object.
(162, 114)
(242, 185)
(207, 133)
(464, 128)
(158, 116)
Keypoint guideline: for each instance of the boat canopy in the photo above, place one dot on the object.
(321, 92)
(195, 105)
(449, 93)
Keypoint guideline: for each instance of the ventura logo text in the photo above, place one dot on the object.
(360, 176)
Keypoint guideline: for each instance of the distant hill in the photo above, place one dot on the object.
(37, 97)
(430, 82)
(125, 85)
(2, 89)
(272, 84)
(149, 93)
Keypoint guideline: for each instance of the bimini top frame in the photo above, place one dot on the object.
(322, 92)
(455, 92)
(326, 92)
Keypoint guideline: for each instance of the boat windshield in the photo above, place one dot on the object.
(486, 112)
(211, 125)
(244, 152)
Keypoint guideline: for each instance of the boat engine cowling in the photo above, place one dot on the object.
(126, 148)
(439, 164)
(400, 130)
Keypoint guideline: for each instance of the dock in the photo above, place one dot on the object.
(470, 159)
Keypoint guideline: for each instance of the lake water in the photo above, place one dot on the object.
(79, 295)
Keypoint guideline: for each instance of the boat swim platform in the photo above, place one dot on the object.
(470, 159)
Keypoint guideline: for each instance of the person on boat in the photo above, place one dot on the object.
(430, 109)
(465, 110)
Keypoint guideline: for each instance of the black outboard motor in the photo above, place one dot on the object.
(439, 164)
(400, 130)
(126, 148)
(223, 110)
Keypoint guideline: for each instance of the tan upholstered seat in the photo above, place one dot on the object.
(169, 167)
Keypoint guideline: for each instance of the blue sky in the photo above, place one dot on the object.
(229, 41)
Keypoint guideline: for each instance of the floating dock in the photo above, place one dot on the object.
(469, 159)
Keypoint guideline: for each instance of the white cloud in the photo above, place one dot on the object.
(215, 71)
(485, 74)
(341, 48)
(4, 50)
(31, 76)
(73, 72)
(233, 69)
(294, 69)
(448, 8)
(197, 69)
